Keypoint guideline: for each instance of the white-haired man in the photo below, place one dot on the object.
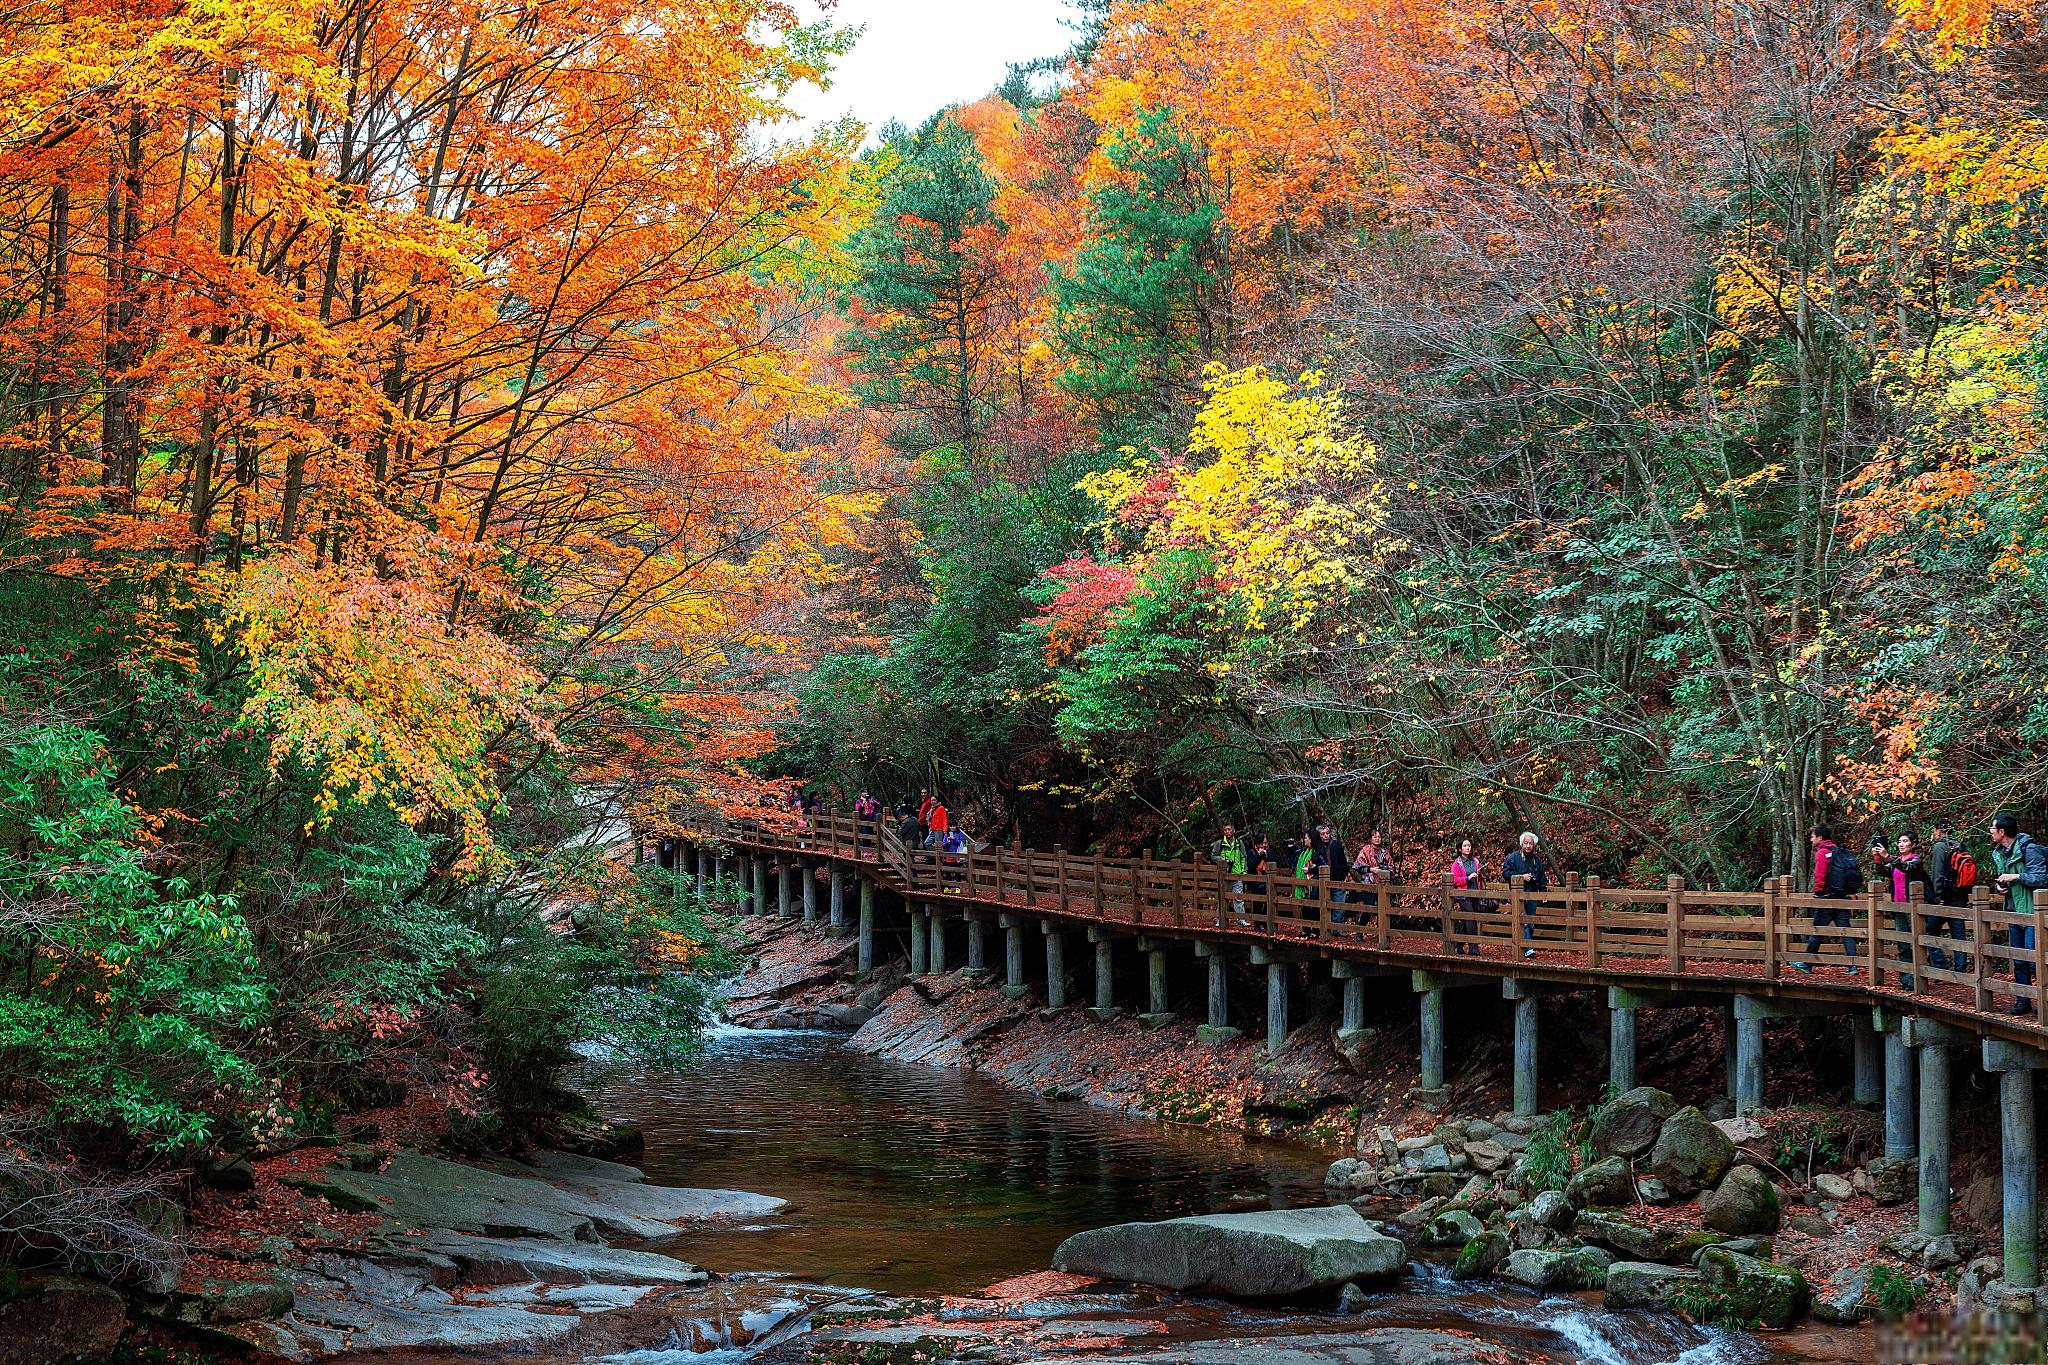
(1527, 863)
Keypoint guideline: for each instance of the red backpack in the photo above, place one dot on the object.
(1962, 869)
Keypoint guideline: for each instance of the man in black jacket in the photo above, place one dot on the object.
(1942, 890)
(1526, 862)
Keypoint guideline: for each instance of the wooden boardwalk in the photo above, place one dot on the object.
(1950, 963)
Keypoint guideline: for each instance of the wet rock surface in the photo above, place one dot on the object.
(1249, 1255)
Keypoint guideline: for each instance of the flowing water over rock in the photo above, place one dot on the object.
(920, 1182)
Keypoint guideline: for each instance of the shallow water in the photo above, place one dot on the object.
(912, 1180)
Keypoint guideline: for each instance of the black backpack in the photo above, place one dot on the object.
(1845, 874)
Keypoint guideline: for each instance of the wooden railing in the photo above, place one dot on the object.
(1959, 957)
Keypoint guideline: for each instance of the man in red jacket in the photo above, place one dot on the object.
(1825, 851)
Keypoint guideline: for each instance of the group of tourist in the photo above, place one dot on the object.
(1940, 873)
(1943, 874)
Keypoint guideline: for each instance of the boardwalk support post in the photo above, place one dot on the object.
(1932, 1041)
(1431, 988)
(810, 884)
(1869, 1078)
(1621, 1038)
(1158, 1004)
(937, 957)
(782, 887)
(977, 941)
(760, 885)
(836, 902)
(1105, 973)
(2015, 1066)
(1217, 1030)
(1750, 1014)
(1353, 974)
(1055, 965)
(1013, 957)
(920, 942)
(866, 959)
(1900, 1141)
(1524, 996)
(703, 873)
(1276, 996)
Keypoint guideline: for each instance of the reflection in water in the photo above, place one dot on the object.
(916, 1180)
(912, 1180)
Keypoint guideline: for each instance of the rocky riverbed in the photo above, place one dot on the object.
(1760, 1220)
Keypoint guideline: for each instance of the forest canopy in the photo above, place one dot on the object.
(450, 449)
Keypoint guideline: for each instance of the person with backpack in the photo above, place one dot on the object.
(1836, 876)
(1951, 872)
(2021, 864)
(1259, 860)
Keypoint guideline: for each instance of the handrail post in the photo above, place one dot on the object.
(1178, 920)
(1101, 889)
(1978, 896)
(1383, 917)
(1674, 911)
(1771, 885)
(1592, 921)
(967, 868)
(1870, 912)
(1138, 869)
(1516, 929)
(2040, 951)
(1450, 905)
(1000, 898)
(1059, 858)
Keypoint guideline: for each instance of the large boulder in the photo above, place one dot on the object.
(1452, 1229)
(1604, 1184)
(1628, 1124)
(1761, 1292)
(1549, 1209)
(1744, 1204)
(1690, 1153)
(1641, 1243)
(1242, 1255)
(1480, 1257)
(1637, 1284)
(59, 1318)
(1846, 1298)
(1539, 1270)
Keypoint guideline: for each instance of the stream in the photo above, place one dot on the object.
(914, 1181)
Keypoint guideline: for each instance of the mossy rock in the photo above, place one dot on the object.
(1480, 1257)
(1761, 1292)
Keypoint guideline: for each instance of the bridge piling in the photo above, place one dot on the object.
(1900, 1139)
(1105, 973)
(1055, 965)
(920, 942)
(810, 889)
(1524, 997)
(1158, 1003)
(2015, 1067)
(1276, 1006)
(1217, 1030)
(1868, 1085)
(1621, 1041)
(1750, 1014)
(977, 941)
(1432, 1064)
(1932, 1041)
(935, 960)
(760, 885)
(703, 871)
(836, 902)
(782, 887)
(866, 957)
(1013, 957)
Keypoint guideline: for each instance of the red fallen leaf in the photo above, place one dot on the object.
(1043, 1284)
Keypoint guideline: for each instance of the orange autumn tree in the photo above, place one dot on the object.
(416, 463)
(483, 311)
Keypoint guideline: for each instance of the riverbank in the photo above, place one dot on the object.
(1802, 1198)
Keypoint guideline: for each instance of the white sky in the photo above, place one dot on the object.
(918, 56)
